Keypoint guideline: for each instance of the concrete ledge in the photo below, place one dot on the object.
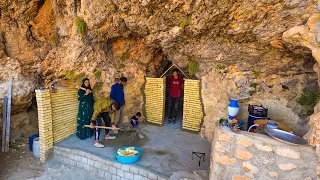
(107, 169)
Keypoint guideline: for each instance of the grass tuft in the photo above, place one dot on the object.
(184, 23)
(309, 98)
(82, 27)
(220, 67)
(254, 85)
(125, 56)
(257, 74)
(97, 74)
(97, 86)
(75, 78)
(193, 67)
(53, 39)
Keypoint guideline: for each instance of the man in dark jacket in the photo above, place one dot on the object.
(117, 94)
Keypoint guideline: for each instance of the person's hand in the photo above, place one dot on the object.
(91, 125)
(113, 127)
(87, 91)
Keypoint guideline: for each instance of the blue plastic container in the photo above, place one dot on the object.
(128, 159)
(31, 138)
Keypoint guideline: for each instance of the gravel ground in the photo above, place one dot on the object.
(19, 164)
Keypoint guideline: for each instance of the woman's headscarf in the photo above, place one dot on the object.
(84, 80)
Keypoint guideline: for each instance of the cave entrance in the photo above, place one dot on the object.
(157, 91)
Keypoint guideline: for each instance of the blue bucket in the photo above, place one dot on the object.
(128, 159)
(31, 138)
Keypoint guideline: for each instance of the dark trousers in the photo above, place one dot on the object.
(173, 107)
(107, 121)
(134, 124)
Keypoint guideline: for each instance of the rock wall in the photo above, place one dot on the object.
(249, 156)
(278, 90)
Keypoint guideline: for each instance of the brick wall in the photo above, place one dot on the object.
(106, 169)
(64, 105)
(155, 99)
(192, 107)
(249, 156)
(45, 123)
(57, 116)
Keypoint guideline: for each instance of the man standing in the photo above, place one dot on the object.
(117, 94)
(175, 83)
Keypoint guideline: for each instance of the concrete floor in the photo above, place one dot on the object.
(166, 149)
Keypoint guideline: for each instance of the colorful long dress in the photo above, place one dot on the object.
(84, 114)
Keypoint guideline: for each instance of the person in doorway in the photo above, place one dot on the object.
(85, 110)
(135, 120)
(117, 94)
(102, 109)
(175, 83)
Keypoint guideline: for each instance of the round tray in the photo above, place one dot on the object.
(286, 137)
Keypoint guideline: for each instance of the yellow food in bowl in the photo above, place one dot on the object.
(130, 151)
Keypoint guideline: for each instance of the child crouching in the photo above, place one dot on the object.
(135, 120)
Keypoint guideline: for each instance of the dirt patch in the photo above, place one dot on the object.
(18, 163)
(128, 138)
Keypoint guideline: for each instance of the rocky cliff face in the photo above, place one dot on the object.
(240, 46)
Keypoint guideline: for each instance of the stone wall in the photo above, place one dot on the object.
(249, 156)
(107, 169)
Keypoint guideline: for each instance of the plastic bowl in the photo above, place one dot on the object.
(128, 159)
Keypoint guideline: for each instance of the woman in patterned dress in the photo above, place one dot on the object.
(85, 110)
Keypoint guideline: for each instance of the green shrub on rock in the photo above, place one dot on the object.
(184, 23)
(193, 67)
(82, 27)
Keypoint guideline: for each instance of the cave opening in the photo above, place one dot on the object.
(170, 94)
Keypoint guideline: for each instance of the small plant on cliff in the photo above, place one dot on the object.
(184, 23)
(309, 98)
(222, 119)
(193, 67)
(121, 66)
(98, 86)
(256, 74)
(82, 27)
(220, 67)
(254, 85)
(53, 39)
(75, 78)
(97, 74)
(125, 56)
